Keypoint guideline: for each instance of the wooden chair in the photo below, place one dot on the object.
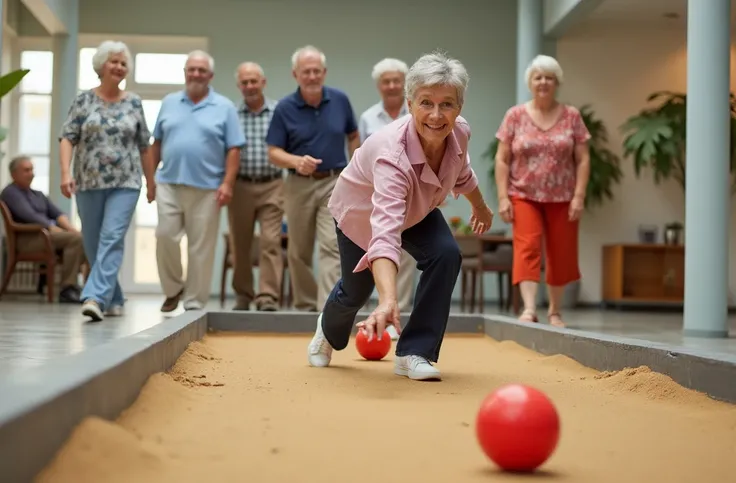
(488, 253)
(46, 260)
(227, 264)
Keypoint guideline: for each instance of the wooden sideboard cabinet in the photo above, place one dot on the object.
(643, 274)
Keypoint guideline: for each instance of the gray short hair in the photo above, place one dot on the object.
(16, 161)
(201, 54)
(389, 65)
(307, 49)
(437, 69)
(252, 65)
(544, 64)
(108, 48)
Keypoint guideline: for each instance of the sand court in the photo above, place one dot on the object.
(247, 407)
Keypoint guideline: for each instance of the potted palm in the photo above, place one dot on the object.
(655, 138)
(605, 173)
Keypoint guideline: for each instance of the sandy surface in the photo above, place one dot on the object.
(241, 408)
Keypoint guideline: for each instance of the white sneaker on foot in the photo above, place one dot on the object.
(319, 351)
(392, 332)
(92, 310)
(416, 367)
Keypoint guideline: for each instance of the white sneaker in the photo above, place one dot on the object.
(319, 351)
(114, 311)
(392, 332)
(92, 310)
(416, 367)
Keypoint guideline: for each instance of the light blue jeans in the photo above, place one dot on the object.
(106, 215)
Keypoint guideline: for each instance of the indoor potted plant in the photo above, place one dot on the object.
(655, 138)
(605, 173)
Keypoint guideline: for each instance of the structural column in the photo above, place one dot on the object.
(529, 38)
(707, 191)
(2, 27)
(66, 54)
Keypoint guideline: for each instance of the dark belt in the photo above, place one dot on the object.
(319, 174)
(260, 179)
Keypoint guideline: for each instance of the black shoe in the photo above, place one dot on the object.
(70, 295)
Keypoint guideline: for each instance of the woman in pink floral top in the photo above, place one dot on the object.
(542, 169)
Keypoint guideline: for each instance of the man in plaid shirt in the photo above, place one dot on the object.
(257, 195)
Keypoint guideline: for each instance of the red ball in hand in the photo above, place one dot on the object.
(374, 350)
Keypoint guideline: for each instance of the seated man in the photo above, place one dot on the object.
(33, 207)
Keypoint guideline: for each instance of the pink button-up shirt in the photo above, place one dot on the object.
(388, 187)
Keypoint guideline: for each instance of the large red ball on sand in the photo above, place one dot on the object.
(374, 350)
(518, 427)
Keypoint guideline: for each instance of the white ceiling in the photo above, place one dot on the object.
(644, 11)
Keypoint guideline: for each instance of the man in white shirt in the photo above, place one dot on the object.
(389, 75)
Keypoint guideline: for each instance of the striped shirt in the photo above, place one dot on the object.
(254, 162)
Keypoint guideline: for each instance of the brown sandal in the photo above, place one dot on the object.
(528, 316)
(555, 319)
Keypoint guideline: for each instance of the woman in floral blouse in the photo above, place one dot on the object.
(107, 127)
(542, 169)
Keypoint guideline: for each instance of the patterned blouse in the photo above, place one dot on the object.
(542, 166)
(108, 137)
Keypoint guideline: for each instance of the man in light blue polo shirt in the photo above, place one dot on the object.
(198, 137)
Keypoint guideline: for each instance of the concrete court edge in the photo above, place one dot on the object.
(39, 407)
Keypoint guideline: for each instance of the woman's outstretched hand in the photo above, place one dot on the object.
(481, 219)
(387, 313)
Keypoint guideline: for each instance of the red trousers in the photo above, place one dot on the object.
(534, 223)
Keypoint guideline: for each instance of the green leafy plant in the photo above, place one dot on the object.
(7, 84)
(655, 138)
(605, 169)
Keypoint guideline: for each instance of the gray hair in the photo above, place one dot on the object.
(251, 65)
(544, 64)
(16, 161)
(201, 54)
(389, 65)
(437, 69)
(107, 49)
(304, 50)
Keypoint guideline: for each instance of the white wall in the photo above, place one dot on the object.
(615, 72)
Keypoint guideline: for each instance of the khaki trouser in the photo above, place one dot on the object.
(185, 210)
(305, 203)
(262, 202)
(73, 252)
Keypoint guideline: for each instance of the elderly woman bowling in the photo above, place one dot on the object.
(387, 200)
(542, 169)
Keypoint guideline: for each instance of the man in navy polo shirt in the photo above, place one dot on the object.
(313, 134)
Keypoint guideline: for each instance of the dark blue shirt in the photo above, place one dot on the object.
(320, 132)
(30, 206)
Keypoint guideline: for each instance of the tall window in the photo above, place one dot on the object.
(34, 113)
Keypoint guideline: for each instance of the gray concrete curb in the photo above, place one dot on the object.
(714, 375)
(40, 407)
